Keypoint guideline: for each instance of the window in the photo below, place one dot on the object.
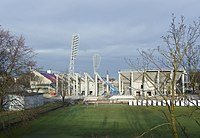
(149, 93)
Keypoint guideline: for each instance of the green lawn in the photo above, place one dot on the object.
(8, 118)
(103, 121)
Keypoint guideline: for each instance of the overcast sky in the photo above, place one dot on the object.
(115, 29)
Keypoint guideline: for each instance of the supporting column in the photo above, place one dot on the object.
(107, 79)
(132, 92)
(102, 90)
(171, 74)
(57, 84)
(145, 87)
(119, 78)
(69, 84)
(158, 82)
(122, 88)
(77, 86)
(142, 86)
(96, 85)
(183, 82)
(73, 88)
(86, 85)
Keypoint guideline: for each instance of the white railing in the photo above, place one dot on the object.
(164, 103)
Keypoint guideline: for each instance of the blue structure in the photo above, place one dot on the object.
(114, 91)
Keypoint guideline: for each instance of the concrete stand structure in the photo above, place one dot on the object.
(149, 83)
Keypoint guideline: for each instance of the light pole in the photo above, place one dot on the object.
(96, 63)
(74, 51)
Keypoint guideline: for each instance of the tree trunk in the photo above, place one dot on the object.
(1, 103)
(172, 113)
(63, 100)
(173, 122)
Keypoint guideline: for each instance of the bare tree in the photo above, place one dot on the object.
(15, 60)
(180, 52)
(62, 86)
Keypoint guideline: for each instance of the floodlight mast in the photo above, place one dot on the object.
(74, 51)
(96, 63)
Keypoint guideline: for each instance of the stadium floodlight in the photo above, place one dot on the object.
(74, 51)
(96, 62)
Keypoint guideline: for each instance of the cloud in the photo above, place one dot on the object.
(56, 52)
(115, 29)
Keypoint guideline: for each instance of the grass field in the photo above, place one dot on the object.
(8, 118)
(103, 121)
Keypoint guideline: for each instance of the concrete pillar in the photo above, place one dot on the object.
(86, 85)
(145, 87)
(69, 84)
(122, 87)
(158, 81)
(119, 78)
(183, 82)
(77, 86)
(132, 90)
(74, 89)
(171, 74)
(57, 84)
(93, 88)
(107, 79)
(96, 84)
(143, 81)
(102, 90)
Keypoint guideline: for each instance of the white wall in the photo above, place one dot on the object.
(33, 101)
(18, 102)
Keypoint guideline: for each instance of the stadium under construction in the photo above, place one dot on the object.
(135, 83)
